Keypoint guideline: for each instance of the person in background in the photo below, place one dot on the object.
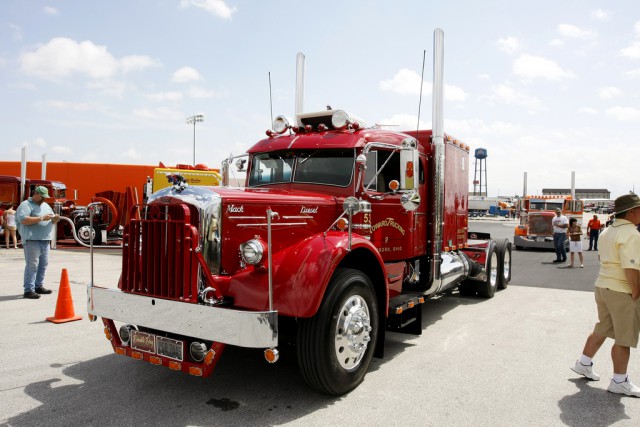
(560, 224)
(593, 230)
(574, 232)
(10, 226)
(35, 220)
(617, 294)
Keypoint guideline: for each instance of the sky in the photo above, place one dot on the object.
(546, 87)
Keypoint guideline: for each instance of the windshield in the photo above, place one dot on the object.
(326, 167)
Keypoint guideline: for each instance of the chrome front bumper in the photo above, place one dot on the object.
(255, 329)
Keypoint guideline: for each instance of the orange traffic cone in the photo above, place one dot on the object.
(64, 306)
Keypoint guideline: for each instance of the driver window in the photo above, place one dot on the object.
(390, 171)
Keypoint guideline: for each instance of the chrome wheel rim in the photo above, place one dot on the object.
(352, 335)
(493, 274)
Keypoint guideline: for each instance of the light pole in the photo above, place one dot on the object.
(195, 119)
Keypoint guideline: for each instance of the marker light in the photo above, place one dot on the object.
(394, 185)
(251, 252)
(280, 124)
(322, 127)
(342, 224)
(272, 355)
(308, 128)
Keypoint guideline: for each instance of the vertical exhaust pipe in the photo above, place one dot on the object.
(300, 75)
(23, 174)
(43, 172)
(437, 136)
(573, 185)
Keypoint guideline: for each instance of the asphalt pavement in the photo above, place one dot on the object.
(498, 362)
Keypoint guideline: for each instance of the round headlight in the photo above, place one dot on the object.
(340, 119)
(251, 252)
(280, 124)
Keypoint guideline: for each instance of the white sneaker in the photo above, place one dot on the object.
(585, 370)
(626, 387)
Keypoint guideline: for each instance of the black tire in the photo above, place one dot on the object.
(503, 247)
(487, 289)
(83, 230)
(330, 360)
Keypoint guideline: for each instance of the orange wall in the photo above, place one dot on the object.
(87, 178)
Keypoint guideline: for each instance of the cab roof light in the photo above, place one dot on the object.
(281, 125)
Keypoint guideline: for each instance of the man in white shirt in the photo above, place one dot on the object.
(560, 224)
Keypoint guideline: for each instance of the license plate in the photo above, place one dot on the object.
(539, 239)
(143, 341)
(172, 349)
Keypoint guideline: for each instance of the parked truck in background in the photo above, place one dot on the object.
(63, 201)
(482, 205)
(341, 232)
(535, 229)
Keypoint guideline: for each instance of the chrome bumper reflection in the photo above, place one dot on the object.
(256, 329)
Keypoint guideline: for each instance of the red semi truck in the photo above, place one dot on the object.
(341, 232)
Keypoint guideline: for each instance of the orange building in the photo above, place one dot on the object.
(87, 178)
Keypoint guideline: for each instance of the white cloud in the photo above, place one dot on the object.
(186, 74)
(61, 149)
(407, 82)
(215, 7)
(165, 96)
(136, 63)
(131, 154)
(484, 76)
(508, 44)
(632, 51)
(556, 43)
(531, 67)
(504, 94)
(571, 31)
(50, 10)
(601, 15)
(61, 57)
(609, 92)
(158, 114)
(65, 105)
(16, 31)
(634, 74)
(624, 114)
(587, 110)
(198, 92)
(109, 87)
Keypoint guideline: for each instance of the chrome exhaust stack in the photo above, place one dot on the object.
(437, 137)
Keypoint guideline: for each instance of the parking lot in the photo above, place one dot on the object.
(498, 362)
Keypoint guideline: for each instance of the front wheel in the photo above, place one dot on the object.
(85, 233)
(336, 345)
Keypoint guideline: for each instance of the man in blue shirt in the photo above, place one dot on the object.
(35, 220)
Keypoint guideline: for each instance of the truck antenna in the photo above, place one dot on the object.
(424, 54)
(270, 101)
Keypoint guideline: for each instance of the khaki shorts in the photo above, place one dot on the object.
(619, 317)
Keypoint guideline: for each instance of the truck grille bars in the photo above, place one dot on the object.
(160, 252)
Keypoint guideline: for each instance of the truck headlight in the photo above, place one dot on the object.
(251, 252)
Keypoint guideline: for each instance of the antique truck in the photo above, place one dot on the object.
(341, 232)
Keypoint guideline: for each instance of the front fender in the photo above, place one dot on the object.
(302, 272)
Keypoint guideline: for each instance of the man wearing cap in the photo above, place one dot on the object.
(617, 294)
(35, 220)
(560, 224)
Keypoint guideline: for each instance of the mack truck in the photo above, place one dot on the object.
(341, 232)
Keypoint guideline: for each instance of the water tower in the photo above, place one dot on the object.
(480, 174)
